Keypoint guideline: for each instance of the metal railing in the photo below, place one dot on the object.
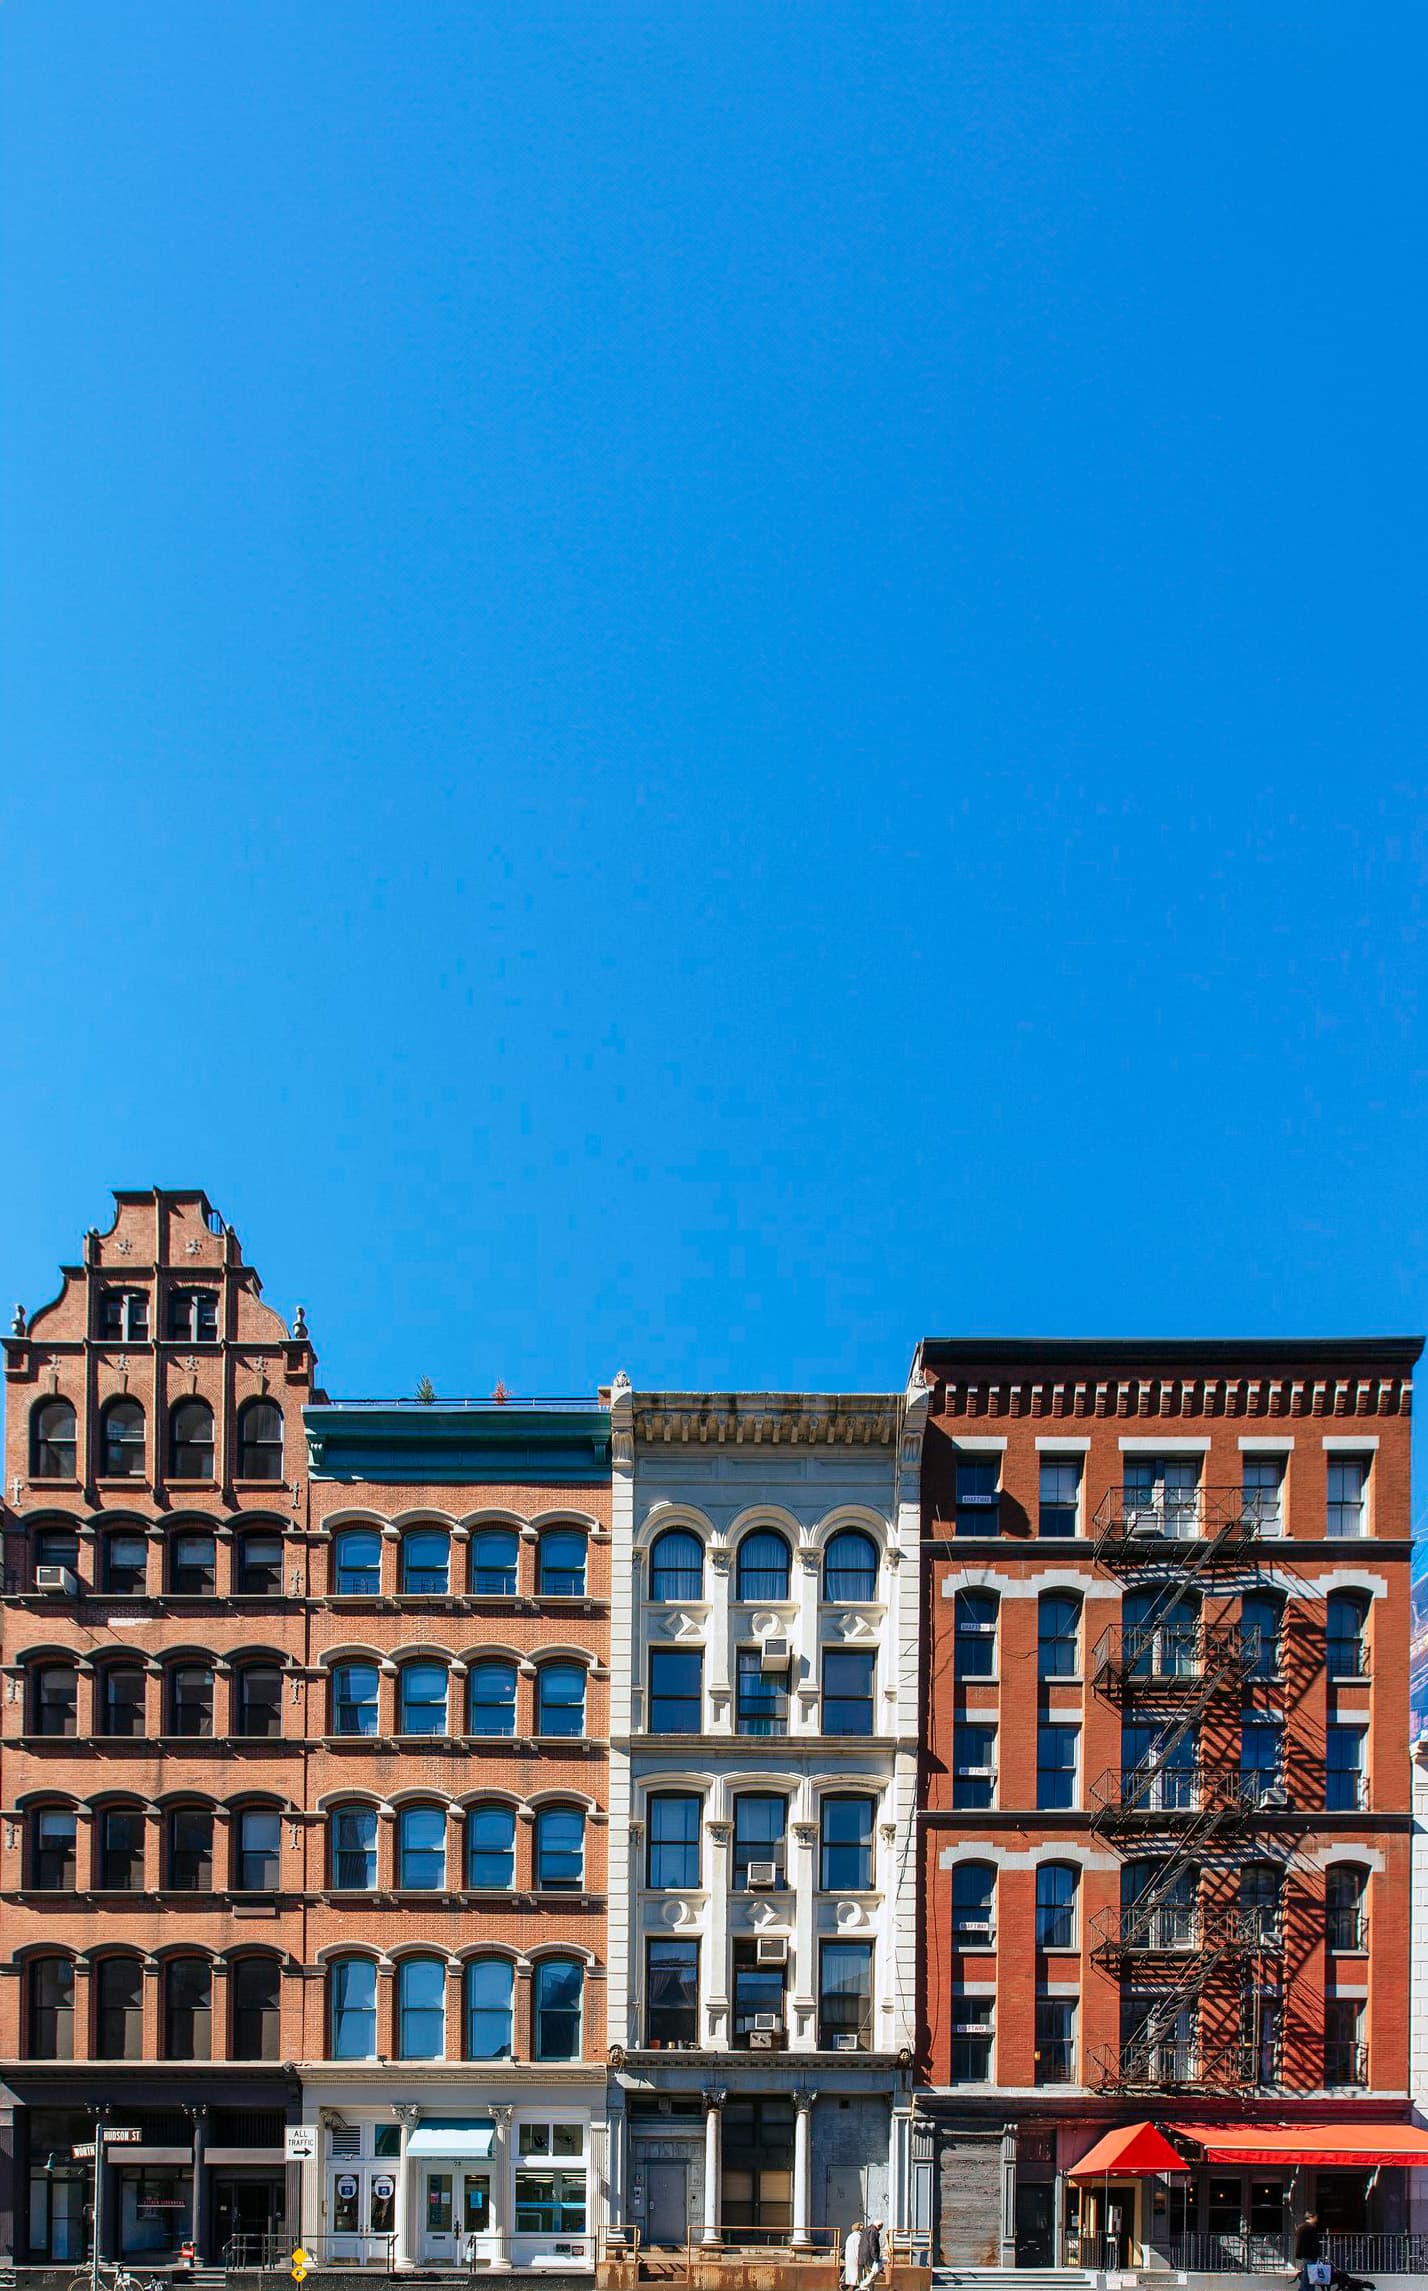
(274, 2247)
(1129, 1797)
(1170, 2064)
(1345, 2063)
(1182, 1515)
(1169, 1655)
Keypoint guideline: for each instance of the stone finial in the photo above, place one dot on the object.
(621, 1384)
(17, 1324)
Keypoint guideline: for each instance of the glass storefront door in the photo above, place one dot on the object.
(438, 2215)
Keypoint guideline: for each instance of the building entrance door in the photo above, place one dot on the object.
(1033, 2223)
(247, 2220)
(844, 2197)
(438, 2215)
(667, 2202)
(477, 2240)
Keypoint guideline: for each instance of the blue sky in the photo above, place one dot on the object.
(705, 687)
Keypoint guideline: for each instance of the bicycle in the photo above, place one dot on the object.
(113, 2278)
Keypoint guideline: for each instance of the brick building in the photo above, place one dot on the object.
(453, 2052)
(152, 1758)
(1166, 1808)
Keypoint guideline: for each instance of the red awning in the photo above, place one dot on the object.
(1363, 2145)
(1128, 2151)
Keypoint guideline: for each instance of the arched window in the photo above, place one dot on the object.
(356, 1692)
(258, 1564)
(1056, 1884)
(561, 1569)
(260, 1441)
(52, 1456)
(850, 1566)
(119, 1849)
(559, 1988)
(258, 1701)
(974, 1634)
(491, 1848)
(426, 1562)
(49, 2008)
(1058, 1632)
(421, 2008)
(421, 1699)
(974, 1895)
(124, 1562)
(54, 1699)
(1344, 1652)
(188, 1849)
(54, 1547)
(763, 1565)
(421, 1849)
(352, 2009)
(193, 1563)
(489, 1984)
(676, 1565)
(357, 1563)
(122, 1441)
(1160, 1642)
(253, 2008)
(560, 1849)
(1261, 1896)
(52, 1845)
(1261, 1619)
(189, 1694)
(1160, 1907)
(560, 1699)
(1345, 1891)
(257, 1861)
(188, 2009)
(494, 1553)
(493, 1697)
(191, 1441)
(352, 1835)
(117, 1984)
(120, 1701)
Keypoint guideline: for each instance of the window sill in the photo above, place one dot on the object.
(47, 1486)
(124, 1482)
(188, 1487)
(249, 1485)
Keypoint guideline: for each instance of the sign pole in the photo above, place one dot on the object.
(94, 2216)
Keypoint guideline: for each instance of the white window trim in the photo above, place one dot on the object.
(1065, 1447)
(979, 1444)
(1354, 1444)
(1257, 1447)
(1185, 1446)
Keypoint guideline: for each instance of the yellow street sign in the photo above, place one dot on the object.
(300, 2264)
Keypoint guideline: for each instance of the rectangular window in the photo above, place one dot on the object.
(121, 1850)
(759, 1826)
(1263, 1484)
(845, 1996)
(1055, 1767)
(259, 1843)
(974, 1634)
(846, 1846)
(1161, 1495)
(1261, 1762)
(672, 1996)
(978, 1495)
(847, 1693)
(1344, 1769)
(1056, 2040)
(760, 1697)
(758, 1993)
(1345, 2054)
(1059, 1513)
(972, 2032)
(550, 2203)
(676, 1691)
(1058, 1635)
(673, 1848)
(974, 1766)
(1348, 1492)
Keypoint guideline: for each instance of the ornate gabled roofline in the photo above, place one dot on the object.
(768, 1419)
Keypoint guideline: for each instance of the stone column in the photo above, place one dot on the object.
(802, 2175)
(503, 2190)
(717, 1975)
(713, 2102)
(407, 2118)
(199, 2226)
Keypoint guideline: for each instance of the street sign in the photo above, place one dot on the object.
(300, 2143)
(85, 2148)
(121, 2131)
(300, 2264)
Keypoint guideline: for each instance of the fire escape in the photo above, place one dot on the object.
(1168, 1810)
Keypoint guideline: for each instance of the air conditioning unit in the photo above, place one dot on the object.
(56, 1579)
(770, 1949)
(765, 2040)
(775, 1655)
(762, 1874)
(845, 2044)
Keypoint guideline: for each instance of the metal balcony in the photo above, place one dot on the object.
(1170, 1660)
(1152, 2065)
(1179, 1932)
(1189, 1529)
(1186, 1802)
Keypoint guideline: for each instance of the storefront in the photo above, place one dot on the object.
(208, 2167)
(458, 2175)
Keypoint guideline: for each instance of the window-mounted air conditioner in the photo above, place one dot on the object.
(845, 2044)
(767, 2023)
(762, 1874)
(56, 1579)
(765, 2040)
(775, 1655)
(770, 1949)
